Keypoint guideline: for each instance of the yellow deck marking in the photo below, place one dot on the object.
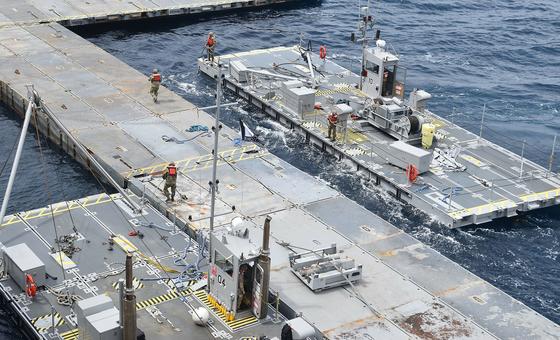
(473, 160)
(44, 323)
(65, 262)
(125, 244)
(60, 208)
(541, 195)
(439, 123)
(70, 335)
(233, 324)
(202, 162)
(482, 209)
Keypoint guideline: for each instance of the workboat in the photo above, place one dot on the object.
(387, 131)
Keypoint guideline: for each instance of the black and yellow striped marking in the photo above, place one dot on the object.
(137, 284)
(70, 335)
(161, 299)
(45, 322)
(233, 324)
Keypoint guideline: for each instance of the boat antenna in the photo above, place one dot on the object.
(364, 24)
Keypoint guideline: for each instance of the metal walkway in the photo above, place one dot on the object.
(413, 290)
(79, 12)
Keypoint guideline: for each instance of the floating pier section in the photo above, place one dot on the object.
(408, 289)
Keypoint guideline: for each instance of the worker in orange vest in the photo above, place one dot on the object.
(170, 177)
(211, 45)
(155, 79)
(332, 120)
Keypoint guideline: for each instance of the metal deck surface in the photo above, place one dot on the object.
(162, 307)
(490, 187)
(407, 285)
(79, 12)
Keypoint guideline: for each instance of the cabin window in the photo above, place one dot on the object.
(372, 67)
(223, 263)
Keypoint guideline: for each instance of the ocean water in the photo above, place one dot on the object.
(501, 53)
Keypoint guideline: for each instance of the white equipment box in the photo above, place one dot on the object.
(20, 260)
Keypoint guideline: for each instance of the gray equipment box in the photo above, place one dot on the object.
(298, 99)
(98, 319)
(20, 260)
(403, 154)
(238, 71)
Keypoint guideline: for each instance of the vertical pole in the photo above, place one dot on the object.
(17, 157)
(453, 115)
(482, 122)
(264, 262)
(522, 159)
(277, 306)
(52, 317)
(214, 182)
(551, 160)
(121, 302)
(129, 331)
(450, 196)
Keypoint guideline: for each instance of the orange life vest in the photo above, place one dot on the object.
(333, 118)
(172, 170)
(156, 77)
(210, 42)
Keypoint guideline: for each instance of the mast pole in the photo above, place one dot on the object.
(214, 183)
(17, 157)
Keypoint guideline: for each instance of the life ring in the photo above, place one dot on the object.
(322, 52)
(30, 286)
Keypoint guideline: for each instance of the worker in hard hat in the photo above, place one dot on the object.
(155, 79)
(170, 177)
(211, 45)
(332, 119)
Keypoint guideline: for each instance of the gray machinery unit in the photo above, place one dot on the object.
(20, 261)
(324, 268)
(239, 270)
(384, 82)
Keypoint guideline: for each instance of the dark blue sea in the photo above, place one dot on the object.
(502, 53)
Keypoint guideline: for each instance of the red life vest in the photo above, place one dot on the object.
(156, 77)
(210, 42)
(333, 118)
(172, 170)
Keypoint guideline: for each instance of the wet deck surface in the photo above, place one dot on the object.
(491, 184)
(407, 284)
